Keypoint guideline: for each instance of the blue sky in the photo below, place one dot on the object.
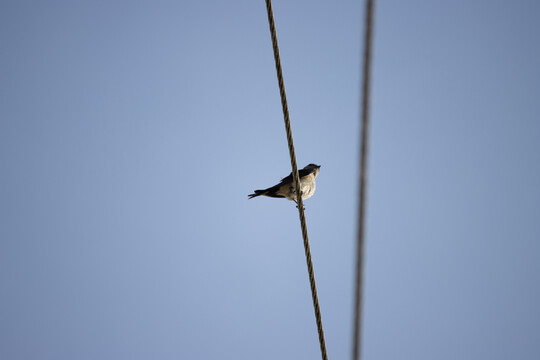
(131, 134)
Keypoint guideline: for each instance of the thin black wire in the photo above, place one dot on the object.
(357, 349)
(296, 178)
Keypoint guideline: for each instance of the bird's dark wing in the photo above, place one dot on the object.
(289, 178)
(286, 180)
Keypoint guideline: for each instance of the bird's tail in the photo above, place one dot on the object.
(270, 192)
(257, 193)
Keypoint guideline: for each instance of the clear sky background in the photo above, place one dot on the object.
(131, 134)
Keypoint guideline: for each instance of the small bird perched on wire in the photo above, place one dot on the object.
(286, 188)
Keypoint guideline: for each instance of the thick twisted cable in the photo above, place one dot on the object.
(296, 179)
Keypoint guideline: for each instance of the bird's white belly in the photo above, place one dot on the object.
(307, 186)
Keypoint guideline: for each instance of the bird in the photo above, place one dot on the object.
(286, 188)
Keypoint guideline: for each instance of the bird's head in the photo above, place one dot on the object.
(313, 168)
